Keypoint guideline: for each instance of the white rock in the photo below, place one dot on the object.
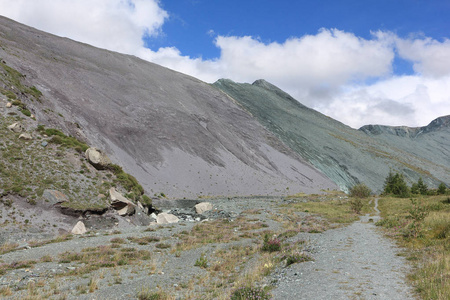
(25, 136)
(79, 228)
(8, 105)
(97, 158)
(203, 207)
(16, 127)
(165, 218)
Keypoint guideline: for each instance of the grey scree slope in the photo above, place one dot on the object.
(174, 133)
(346, 155)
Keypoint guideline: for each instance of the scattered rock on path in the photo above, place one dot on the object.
(165, 218)
(97, 158)
(203, 207)
(79, 228)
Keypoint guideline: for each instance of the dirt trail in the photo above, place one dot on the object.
(353, 262)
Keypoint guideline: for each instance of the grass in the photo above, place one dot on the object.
(335, 208)
(218, 231)
(427, 241)
(95, 258)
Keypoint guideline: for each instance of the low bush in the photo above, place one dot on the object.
(202, 262)
(360, 191)
(356, 205)
(296, 258)
(271, 245)
(250, 293)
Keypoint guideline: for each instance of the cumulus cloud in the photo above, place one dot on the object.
(406, 100)
(338, 73)
(430, 57)
(112, 24)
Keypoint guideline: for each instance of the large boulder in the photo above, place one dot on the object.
(16, 127)
(165, 218)
(79, 228)
(97, 158)
(123, 206)
(203, 207)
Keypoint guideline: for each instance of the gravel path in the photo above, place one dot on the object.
(353, 262)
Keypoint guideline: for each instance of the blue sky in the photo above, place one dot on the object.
(275, 21)
(360, 62)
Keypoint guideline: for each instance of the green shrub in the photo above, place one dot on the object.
(271, 245)
(442, 189)
(146, 200)
(423, 188)
(58, 137)
(360, 191)
(202, 262)
(296, 258)
(26, 112)
(35, 92)
(356, 205)
(417, 213)
(250, 293)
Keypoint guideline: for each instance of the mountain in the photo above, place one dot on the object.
(185, 138)
(347, 156)
(176, 134)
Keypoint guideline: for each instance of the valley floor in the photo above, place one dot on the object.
(351, 262)
(212, 259)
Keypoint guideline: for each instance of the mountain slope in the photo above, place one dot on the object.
(174, 133)
(345, 155)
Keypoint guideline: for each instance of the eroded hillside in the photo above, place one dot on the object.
(175, 134)
(345, 155)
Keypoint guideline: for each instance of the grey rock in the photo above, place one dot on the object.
(123, 206)
(53, 197)
(97, 158)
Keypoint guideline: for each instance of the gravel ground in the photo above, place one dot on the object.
(352, 262)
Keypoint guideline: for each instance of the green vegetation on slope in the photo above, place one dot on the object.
(422, 225)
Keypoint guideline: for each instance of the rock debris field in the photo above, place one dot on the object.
(349, 262)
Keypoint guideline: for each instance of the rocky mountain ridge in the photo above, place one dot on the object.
(404, 131)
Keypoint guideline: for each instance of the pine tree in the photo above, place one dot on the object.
(423, 188)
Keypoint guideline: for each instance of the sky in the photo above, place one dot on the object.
(359, 62)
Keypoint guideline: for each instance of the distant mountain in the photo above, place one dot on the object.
(176, 134)
(347, 156)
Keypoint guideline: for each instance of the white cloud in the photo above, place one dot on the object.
(406, 100)
(112, 24)
(327, 71)
(430, 57)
